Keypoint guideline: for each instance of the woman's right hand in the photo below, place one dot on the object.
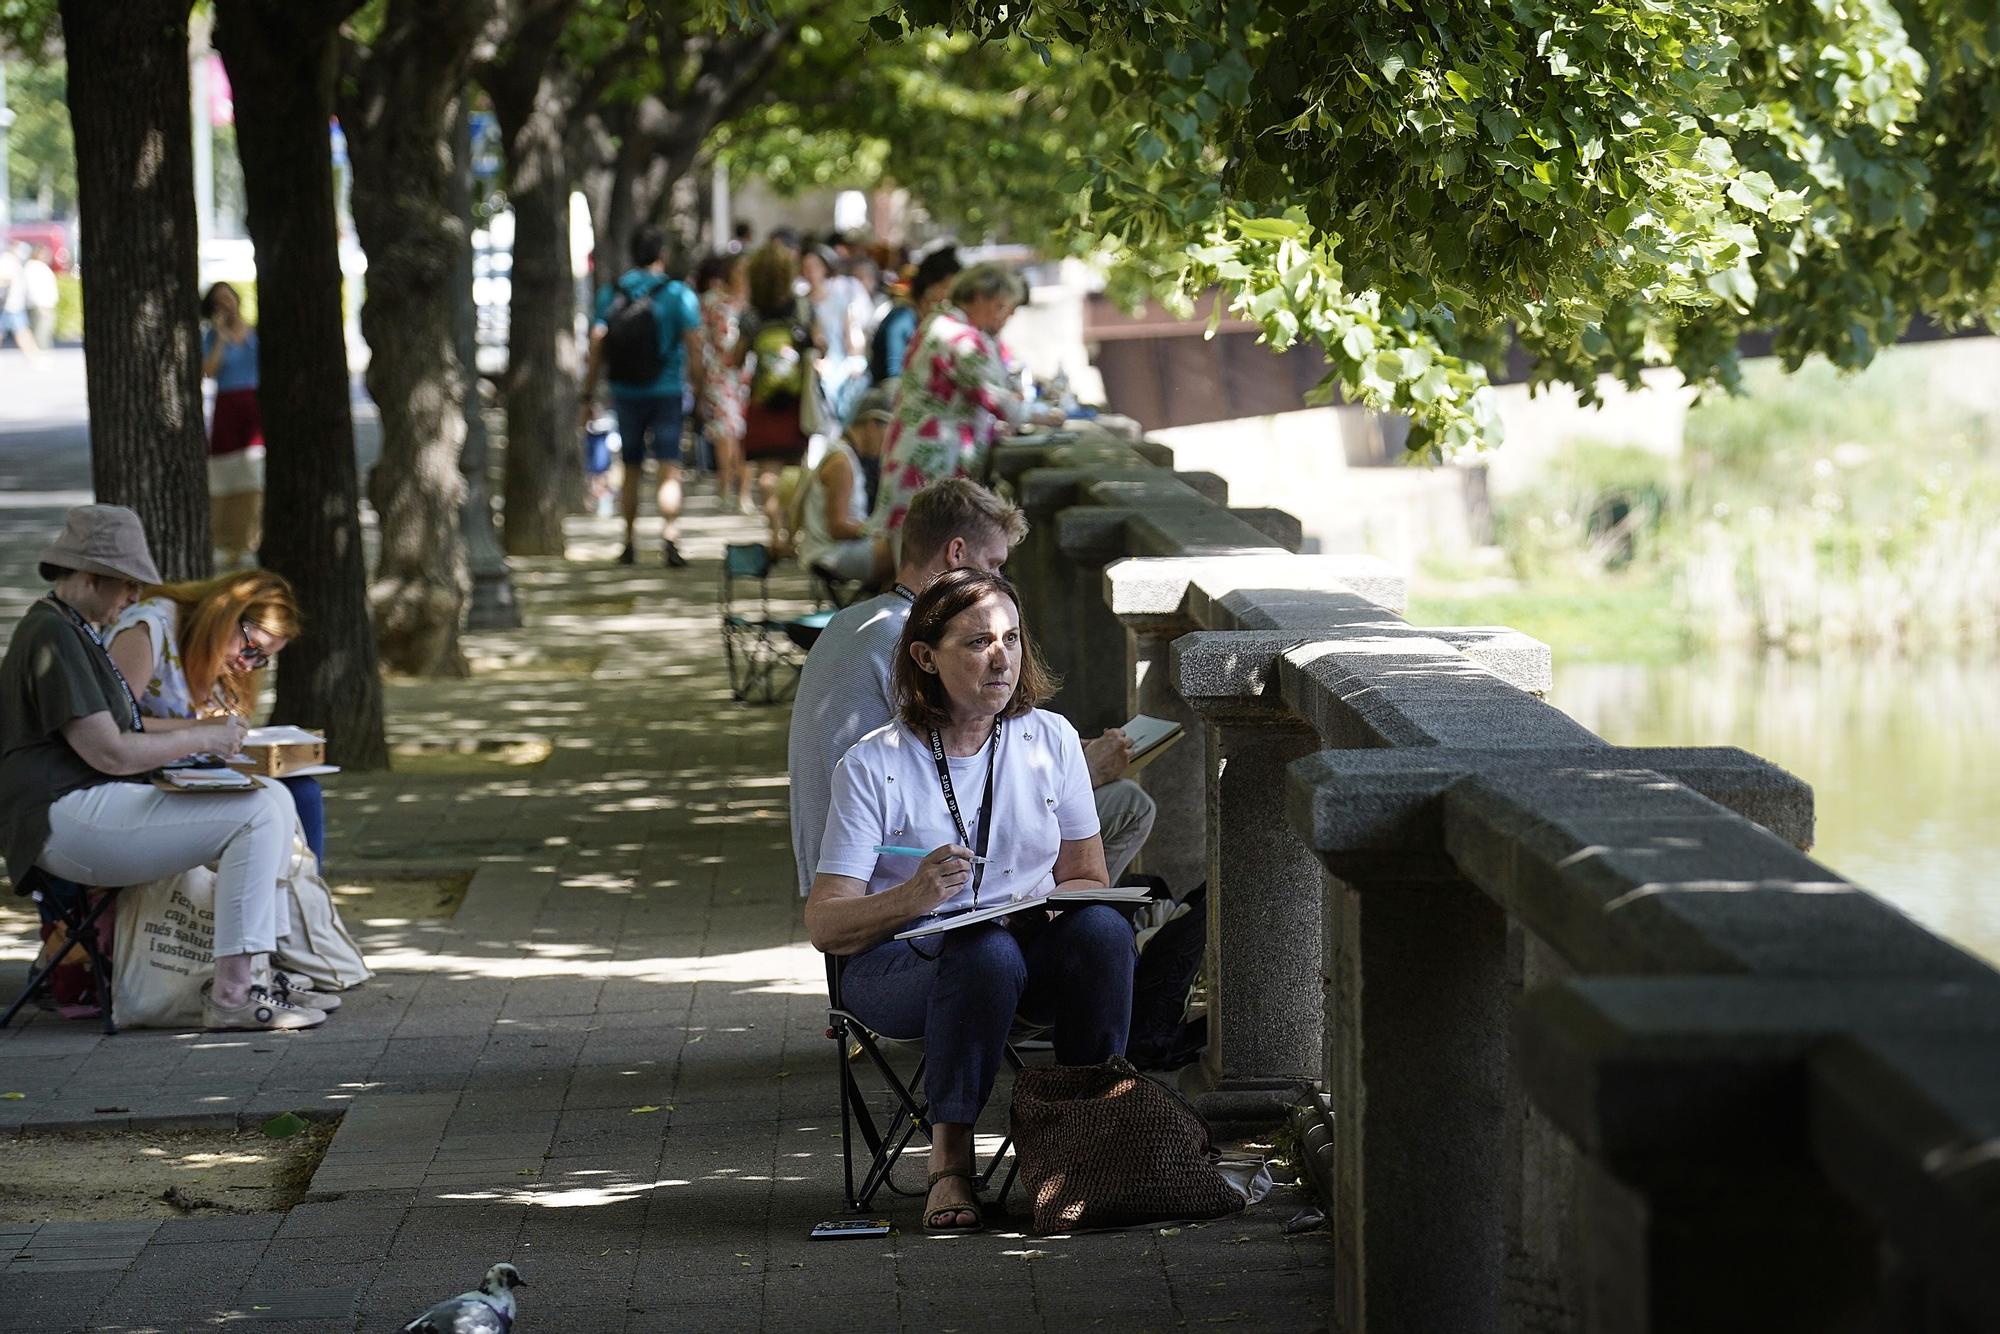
(939, 876)
(226, 735)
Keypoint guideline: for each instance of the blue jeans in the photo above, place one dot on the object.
(311, 803)
(1074, 972)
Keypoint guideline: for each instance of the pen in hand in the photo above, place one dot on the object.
(892, 850)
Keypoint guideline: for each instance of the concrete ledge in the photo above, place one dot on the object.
(1364, 809)
(1905, 1126)
(1411, 689)
(1661, 1072)
(1627, 871)
(1159, 585)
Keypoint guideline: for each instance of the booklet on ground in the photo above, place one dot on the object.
(1119, 895)
(1150, 737)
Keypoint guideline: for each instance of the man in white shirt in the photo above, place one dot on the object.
(843, 693)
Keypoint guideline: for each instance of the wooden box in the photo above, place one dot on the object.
(281, 751)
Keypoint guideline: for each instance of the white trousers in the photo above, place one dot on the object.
(130, 833)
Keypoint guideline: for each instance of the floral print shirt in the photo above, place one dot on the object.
(952, 398)
(724, 388)
(166, 694)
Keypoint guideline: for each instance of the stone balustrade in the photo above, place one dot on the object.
(1593, 1044)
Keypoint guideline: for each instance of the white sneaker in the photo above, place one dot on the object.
(298, 989)
(260, 1009)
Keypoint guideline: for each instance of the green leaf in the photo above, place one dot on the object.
(885, 27)
(283, 1126)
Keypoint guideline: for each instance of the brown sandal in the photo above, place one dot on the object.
(933, 1228)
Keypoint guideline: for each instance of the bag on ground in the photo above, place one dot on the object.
(317, 944)
(165, 950)
(1103, 1146)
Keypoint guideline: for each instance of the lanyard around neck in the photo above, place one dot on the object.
(905, 592)
(90, 632)
(985, 802)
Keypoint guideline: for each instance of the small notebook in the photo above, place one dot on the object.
(1124, 896)
(1150, 738)
(203, 780)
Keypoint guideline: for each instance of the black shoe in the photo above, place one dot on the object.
(675, 560)
(627, 556)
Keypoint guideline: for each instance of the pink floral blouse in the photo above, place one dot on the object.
(953, 396)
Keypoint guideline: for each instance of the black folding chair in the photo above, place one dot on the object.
(830, 589)
(764, 652)
(78, 909)
(904, 1117)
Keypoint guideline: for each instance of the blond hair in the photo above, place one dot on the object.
(957, 507)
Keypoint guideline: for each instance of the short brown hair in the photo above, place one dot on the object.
(920, 696)
(956, 507)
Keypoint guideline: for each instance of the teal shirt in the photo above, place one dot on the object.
(677, 313)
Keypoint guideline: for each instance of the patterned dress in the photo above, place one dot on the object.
(953, 397)
(724, 387)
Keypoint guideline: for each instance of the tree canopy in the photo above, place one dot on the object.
(1631, 183)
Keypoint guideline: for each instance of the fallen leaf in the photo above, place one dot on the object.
(13, 1097)
(1170, 1232)
(284, 1125)
(647, 1108)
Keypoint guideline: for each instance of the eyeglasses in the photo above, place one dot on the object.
(253, 653)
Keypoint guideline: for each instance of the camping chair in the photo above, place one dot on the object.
(764, 652)
(830, 590)
(78, 911)
(887, 1139)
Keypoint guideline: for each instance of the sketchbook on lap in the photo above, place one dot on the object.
(1118, 895)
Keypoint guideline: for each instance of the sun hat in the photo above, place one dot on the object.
(877, 405)
(106, 540)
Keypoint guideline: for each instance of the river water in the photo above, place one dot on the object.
(1903, 757)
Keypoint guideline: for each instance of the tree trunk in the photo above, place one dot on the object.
(398, 124)
(493, 605)
(544, 459)
(128, 106)
(281, 68)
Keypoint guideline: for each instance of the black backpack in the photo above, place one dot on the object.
(632, 337)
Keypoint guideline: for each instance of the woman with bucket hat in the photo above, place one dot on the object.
(74, 752)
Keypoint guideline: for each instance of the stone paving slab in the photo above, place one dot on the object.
(630, 940)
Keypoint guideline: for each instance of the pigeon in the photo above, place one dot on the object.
(487, 1309)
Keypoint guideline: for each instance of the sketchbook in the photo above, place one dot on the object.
(1150, 737)
(1124, 896)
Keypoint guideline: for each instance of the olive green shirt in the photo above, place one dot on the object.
(51, 676)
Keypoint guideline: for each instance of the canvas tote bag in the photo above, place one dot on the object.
(317, 944)
(164, 949)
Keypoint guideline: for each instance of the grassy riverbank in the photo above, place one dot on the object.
(1819, 512)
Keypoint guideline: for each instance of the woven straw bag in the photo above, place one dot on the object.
(1103, 1146)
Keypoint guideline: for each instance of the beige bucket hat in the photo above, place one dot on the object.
(106, 540)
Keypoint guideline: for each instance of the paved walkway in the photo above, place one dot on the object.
(630, 940)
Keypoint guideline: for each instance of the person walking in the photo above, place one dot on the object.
(724, 284)
(38, 278)
(777, 342)
(236, 429)
(14, 302)
(647, 335)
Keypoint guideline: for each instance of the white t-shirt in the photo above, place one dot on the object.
(886, 791)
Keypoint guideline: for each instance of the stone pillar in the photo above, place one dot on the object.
(1417, 1027)
(1095, 689)
(1178, 780)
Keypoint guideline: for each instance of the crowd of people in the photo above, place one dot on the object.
(788, 352)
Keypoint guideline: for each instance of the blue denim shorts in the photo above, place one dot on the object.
(648, 424)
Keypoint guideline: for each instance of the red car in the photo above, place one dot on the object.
(54, 235)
